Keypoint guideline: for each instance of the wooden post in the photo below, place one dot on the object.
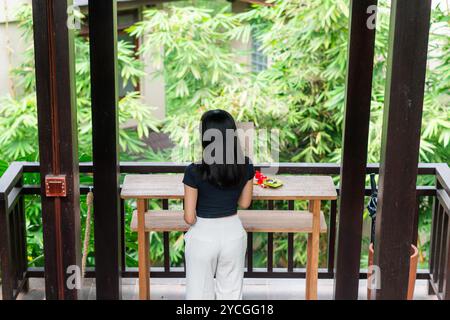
(58, 150)
(107, 216)
(408, 44)
(144, 247)
(312, 263)
(354, 154)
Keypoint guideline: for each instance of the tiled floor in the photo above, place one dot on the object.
(254, 289)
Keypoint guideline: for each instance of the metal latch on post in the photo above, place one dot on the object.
(55, 186)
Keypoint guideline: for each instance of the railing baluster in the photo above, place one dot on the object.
(250, 252)
(184, 256)
(270, 252)
(416, 221)
(332, 235)
(123, 249)
(250, 249)
(437, 248)
(20, 246)
(290, 252)
(15, 245)
(433, 237)
(446, 279)
(270, 206)
(165, 205)
(443, 251)
(23, 244)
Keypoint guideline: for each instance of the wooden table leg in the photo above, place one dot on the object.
(308, 267)
(144, 247)
(312, 267)
(308, 259)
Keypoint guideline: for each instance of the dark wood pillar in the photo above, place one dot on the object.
(408, 44)
(55, 90)
(354, 154)
(107, 217)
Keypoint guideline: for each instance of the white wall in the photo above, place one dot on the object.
(238, 46)
(11, 43)
(153, 89)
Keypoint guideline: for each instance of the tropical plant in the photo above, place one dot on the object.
(18, 120)
(307, 43)
(203, 72)
(302, 92)
(18, 116)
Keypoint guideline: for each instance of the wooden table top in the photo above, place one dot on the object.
(170, 186)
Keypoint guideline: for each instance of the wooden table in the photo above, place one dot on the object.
(169, 186)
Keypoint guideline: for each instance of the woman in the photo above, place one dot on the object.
(216, 241)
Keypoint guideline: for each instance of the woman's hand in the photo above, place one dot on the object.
(190, 203)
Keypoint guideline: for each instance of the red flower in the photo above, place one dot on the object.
(260, 178)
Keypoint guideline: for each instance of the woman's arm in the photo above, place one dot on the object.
(190, 203)
(245, 200)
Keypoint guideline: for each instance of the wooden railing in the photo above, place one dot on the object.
(15, 271)
(440, 236)
(13, 254)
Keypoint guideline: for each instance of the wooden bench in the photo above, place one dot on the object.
(283, 221)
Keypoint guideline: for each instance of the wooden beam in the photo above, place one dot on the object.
(408, 44)
(107, 217)
(354, 154)
(58, 148)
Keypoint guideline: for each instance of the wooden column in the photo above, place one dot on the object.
(55, 90)
(354, 154)
(107, 217)
(408, 43)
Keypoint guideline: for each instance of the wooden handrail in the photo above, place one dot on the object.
(284, 168)
(10, 179)
(443, 176)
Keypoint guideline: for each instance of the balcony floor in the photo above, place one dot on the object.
(254, 289)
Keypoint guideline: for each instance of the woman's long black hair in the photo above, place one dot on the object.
(223, 171)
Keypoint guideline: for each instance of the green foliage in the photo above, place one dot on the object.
(202, 72)
(304, 86)
(307, 42)
(308, 47)
(18, 116)
(18, 120)
(302, 93)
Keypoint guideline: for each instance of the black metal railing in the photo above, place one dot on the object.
(15, 272)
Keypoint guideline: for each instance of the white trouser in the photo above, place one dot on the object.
(215, 247)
